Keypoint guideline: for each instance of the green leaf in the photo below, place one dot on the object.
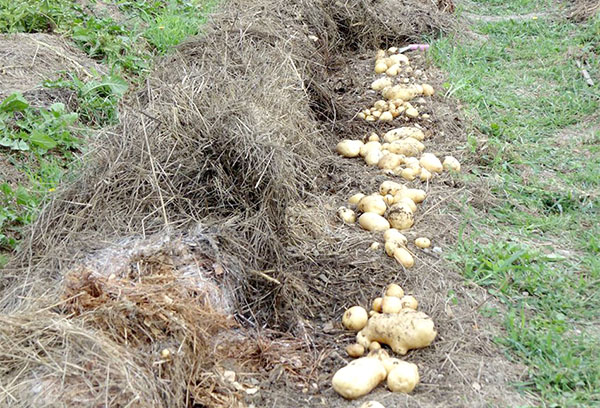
(14, 103)
(42, 140)
(14, 144)
(117, 85)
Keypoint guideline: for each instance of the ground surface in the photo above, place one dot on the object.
(515, 291)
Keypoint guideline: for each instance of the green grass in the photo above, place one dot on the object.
(538, 250)
(43, 142)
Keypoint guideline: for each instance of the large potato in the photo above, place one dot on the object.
(373, 222)
(401, 216)
(373, 204)
(403, 133)
(359, 377)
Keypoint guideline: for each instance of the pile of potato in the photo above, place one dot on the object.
(400, 154)
(390, 210)
(398, 86)
(393, 321)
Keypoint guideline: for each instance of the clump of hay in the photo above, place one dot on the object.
(581, 10)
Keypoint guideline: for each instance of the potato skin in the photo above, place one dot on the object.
(402, 331)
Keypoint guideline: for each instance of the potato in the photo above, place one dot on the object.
(393, 70)
(422, 242)
(355, 318)
(431, 163)
(409, 302)
(377, 304)
(386, 117)
(427, 90)
(380, 54)
(404, 377)
(398, 92)
(393, 289)
(374, 346)
(400, 216)
(355, 198)
(403, 331)
(372, 404)
(349, 148)
(374, 246)
(374, 137)
(380, 67)
(450, 163)
(403, 133)
(389, 199)
(367, 147)
(390, 187)
(408, 147)
(373, 222)
(391, 363)
(381, 83)
(394, 235)
(412, 112)
(376, 113)
(390, 247)
(425, 175)
(359, 377)
(355, 350)
(391, 304)
(409, 174)
(404, 257)
(415, 194)
(347, 215)
(412, 162)
(372, 204)
(380, 105)
(407, 201)
(399, 58)
(373, 156)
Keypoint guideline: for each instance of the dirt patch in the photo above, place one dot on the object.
(30, 59)
(231, 140)
(581, 10)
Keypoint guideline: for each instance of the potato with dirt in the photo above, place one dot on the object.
(402, 331)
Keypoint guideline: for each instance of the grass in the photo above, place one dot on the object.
(537, 251)
(43, 142)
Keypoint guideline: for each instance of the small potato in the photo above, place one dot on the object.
(374, 346)
(355, 318)
(412, 112)
(393, 70)
(386, 117)
(390, 247)
(367, 147)
(409, 302)
(390, 187)
(355, 198)
(407, 201)
(404, 257)
(349, 148)
(425, 175)
(372, 204)
(373, 137)
(398, 92)
(380, 54)
(393, 289)
(389, 199)
(380, 67)
(415, 194)
(422, 242)
(404, 377)
(373, 222)
(403, 133)
(380, 105)
(355, 350)
(427, 90)
(374, 246)
(376, 114)
(377, 304)
(391, 304)
(370, 118)
(450, 163)
(346, 215)
(373, 156)
(431, 163)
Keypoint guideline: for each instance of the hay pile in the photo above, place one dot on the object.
(225, 146)
(581, 10)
